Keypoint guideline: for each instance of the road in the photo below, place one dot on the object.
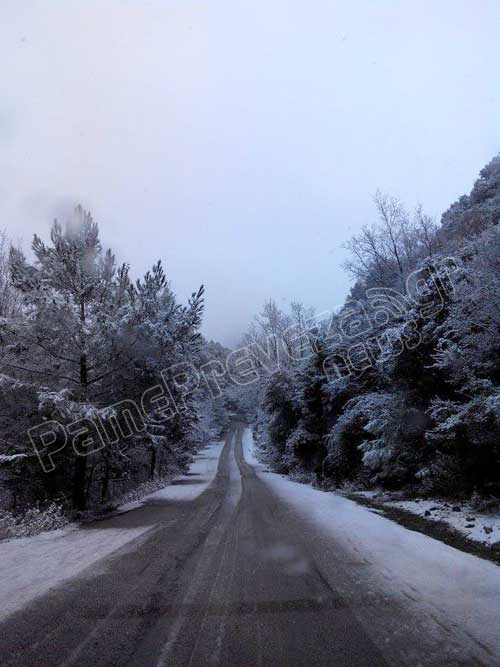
(231, 578)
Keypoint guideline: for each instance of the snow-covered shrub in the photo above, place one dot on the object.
(376, 439)
(484, 504)
(442, 477)
(470, 432)
(363, 434)
(301, 446)
(280, 405)
(32, 522)
(7, 525)
(344, 458)
(144, 489)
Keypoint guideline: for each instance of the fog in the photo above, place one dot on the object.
(241, 142)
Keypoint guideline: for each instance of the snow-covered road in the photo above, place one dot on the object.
(247, 569)
(441, 586)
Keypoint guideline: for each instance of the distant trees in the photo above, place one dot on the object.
(276, 337)
(384, 253)
(9, 298)
(474, 213)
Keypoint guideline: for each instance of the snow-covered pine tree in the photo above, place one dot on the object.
(69, 332)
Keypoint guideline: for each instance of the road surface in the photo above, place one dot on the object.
(233, 578)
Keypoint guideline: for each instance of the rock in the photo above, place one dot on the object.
(470, 518)
(456, 508)
(470, 525)
(487, 529)
(427, 513)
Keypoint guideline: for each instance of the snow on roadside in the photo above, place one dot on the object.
(462, 589)
(190, 485)
(248, 444)
(31, 566)
(477, 526)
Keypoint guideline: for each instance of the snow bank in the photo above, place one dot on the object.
(189, 486)
(460, 589)
(249, 453)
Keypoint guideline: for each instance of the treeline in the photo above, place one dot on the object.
(400, 388)
(88, 411)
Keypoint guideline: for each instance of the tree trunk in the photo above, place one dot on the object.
(79, 478)
(153, 462)
(105, 485)
(80, 469)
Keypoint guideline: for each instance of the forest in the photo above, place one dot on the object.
(80, 338)
(397, 389)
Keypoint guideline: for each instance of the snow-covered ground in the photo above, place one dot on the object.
(477, 526)
(460, 590)
(202, 470)
(31, 566)
(249, 448)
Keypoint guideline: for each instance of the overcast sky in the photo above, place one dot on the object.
(241, 142)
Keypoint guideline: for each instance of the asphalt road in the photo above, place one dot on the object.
(232, 578)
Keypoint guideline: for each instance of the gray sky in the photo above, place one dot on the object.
(241, 142)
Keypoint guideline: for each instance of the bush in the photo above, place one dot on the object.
(32, 522)
(484, 504)
(442, 478)
(144, 489)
